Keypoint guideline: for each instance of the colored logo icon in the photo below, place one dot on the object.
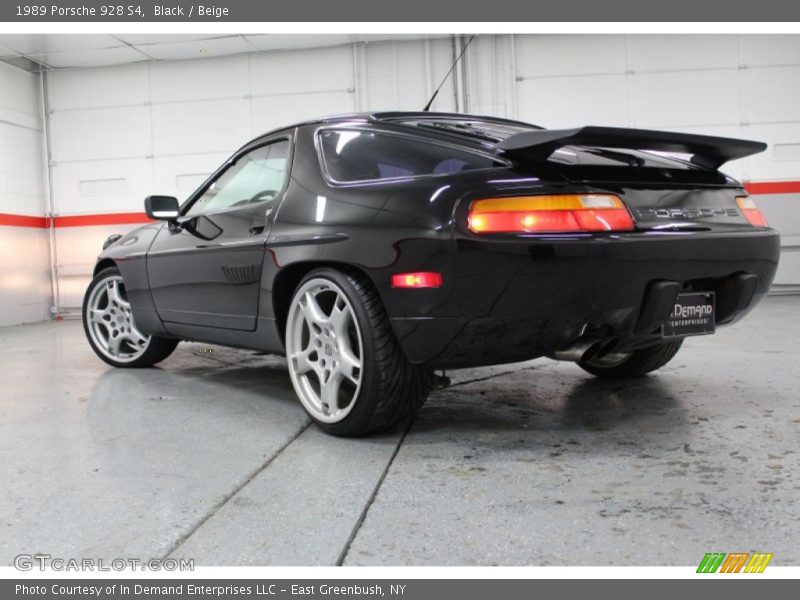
(735, 562)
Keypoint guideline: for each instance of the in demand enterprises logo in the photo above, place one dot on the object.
(736, 562)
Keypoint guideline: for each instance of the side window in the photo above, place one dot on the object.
(255, 177)
(352, 156)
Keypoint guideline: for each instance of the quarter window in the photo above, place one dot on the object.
(257, 176)
(352, 156)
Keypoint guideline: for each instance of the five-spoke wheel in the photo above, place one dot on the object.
(111, 325)
(324, 350)
(111, 329)
(346, 365)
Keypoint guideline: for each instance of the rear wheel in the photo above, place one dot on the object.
(632, 364)
(346, 366)
(111, 330)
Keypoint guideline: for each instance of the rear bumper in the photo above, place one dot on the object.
(518, 299)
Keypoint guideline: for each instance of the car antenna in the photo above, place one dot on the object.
(455, 62)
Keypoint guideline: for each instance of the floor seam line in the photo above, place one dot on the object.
(215, 509)
(362, 517)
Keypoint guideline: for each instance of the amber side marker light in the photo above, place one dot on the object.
(751, 212)
(550, 214)
(421, 279)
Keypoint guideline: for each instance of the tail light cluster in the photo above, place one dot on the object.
(550, 214)
(751, 212)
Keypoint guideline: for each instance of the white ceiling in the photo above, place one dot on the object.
(63, 51)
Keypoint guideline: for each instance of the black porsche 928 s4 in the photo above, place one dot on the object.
(373, 249)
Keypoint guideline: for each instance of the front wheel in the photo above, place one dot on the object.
(111, 330)
(346, 366)
(632, 364)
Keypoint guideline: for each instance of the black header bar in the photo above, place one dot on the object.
(473, 11)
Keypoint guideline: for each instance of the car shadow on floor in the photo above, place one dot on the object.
(556, 408)
(195, 385)
(541, 402)
(647, 400)
(269, 375)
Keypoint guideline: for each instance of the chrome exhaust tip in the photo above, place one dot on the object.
(578, 350)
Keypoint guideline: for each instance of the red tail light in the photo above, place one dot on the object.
(751, 212)
(421, 279)
(550, 214)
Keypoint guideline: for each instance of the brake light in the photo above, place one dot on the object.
(549, 214)
(422, 279)
(751, 212)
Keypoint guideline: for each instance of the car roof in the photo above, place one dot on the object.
(467, 126)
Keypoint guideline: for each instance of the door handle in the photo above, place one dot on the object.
(256, 230)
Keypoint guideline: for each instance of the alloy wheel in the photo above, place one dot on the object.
(110, 322)
(324, 350)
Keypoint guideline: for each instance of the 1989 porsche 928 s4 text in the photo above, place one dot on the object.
(372, 249)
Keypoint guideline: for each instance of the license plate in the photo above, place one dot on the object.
(693, 314)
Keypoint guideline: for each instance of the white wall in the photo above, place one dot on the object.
(120, 133)
(723, 84)
(25, 294)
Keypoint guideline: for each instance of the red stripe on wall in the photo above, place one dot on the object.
(22, 221)
(10, 220)
(772, 187)
(104, 219)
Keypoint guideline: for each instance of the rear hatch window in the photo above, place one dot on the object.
(360, 156)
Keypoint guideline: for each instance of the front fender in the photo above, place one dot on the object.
(129, 254)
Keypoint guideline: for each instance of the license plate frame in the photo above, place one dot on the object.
(694, 313)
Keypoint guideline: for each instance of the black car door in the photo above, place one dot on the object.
(206, 269)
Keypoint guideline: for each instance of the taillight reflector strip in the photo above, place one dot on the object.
(550, 214)
(419, 279)
(754, 216)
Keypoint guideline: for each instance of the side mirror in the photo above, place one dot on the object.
(161, 208)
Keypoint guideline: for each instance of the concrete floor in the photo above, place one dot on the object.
(210, 457)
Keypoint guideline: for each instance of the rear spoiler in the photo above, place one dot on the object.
(707, 151)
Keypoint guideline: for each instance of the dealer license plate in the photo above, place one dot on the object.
(693, 314)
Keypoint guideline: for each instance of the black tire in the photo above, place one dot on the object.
(637, 364)
(157, 350)
(392, 389)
